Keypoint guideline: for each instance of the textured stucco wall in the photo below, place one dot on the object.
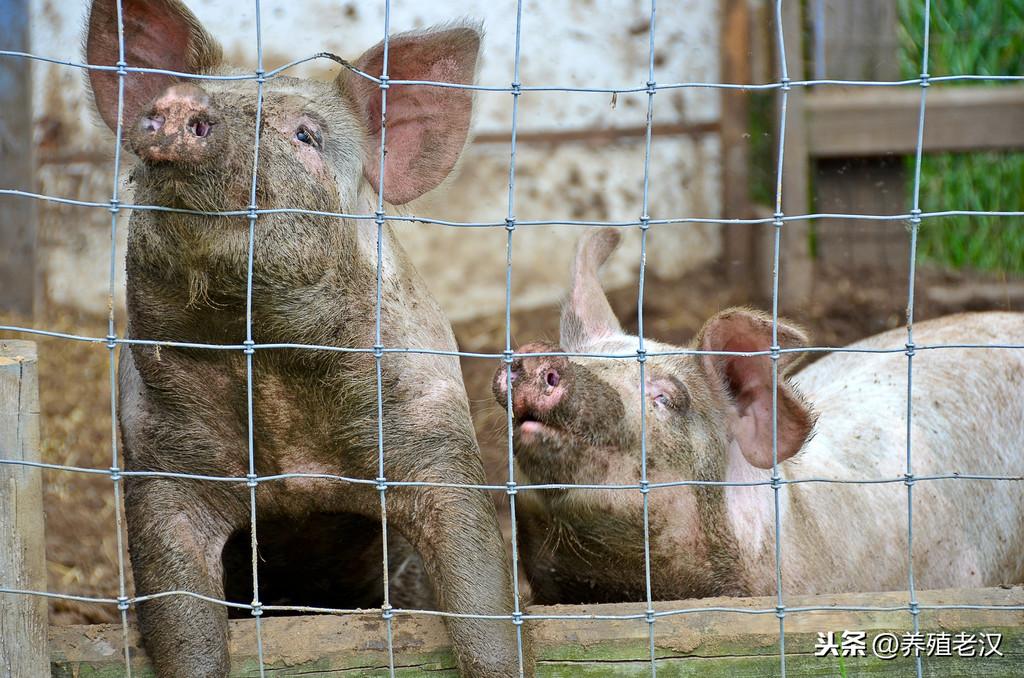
(581, 157)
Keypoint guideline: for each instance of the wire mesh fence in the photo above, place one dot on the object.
(645, 611)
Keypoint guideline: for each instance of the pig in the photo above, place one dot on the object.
(576, 420)
(184, 409)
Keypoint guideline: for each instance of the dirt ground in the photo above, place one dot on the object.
(74, 382)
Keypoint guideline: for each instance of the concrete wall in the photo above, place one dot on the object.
(580, 157)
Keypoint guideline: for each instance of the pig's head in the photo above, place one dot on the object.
(319, 144)
(577, 420)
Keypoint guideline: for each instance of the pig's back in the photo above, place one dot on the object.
(968, 418)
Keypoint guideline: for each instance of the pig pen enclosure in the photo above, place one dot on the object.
(824, 160)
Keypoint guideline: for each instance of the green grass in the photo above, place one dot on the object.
(983, 37)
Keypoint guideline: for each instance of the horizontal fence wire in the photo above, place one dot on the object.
(112, 341)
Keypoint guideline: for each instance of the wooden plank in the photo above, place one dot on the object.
(872, 121)
(859, 42)
(18, 274)
(705, 643)
(738, 251)
(796, 268)
(23, 622)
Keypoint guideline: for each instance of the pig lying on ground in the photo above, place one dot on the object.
(709, 418)
(184, 410)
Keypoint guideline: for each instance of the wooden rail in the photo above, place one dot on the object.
(706, 643)
(872, 121)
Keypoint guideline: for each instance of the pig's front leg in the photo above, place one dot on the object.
(176, 542)
(456, 533)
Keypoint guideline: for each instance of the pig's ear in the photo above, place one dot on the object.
(427, 125)
(747, 382)
(157, 34)
(587, 315)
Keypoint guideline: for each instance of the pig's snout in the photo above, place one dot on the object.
(539, 383)
(177, 128)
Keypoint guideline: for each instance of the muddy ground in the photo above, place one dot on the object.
(81, 541)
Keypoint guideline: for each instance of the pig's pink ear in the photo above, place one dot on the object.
(587, 316)
(157, 34)
(427, 125)
(747, 382)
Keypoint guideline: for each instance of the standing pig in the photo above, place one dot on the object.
(709, 418)
(183, 410)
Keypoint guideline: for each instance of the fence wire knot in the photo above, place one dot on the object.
(382, 483)
(378, 218)
(652, 87)
(517, 618)
(256, 608)
(111, 341)
(122, 603)
(777, 222)
(925, 80)
(386, 612)
(774, 351)
(911, 349)
(511, 487)
(780, 611)
(251, 480)
(645, 486)
(649, 616)
(115, 205)
(251, 212)
(784, 82)
(507, 356)
(645, 222)
(115, 474)
(516, 88)
(122, 68)
(261, 76)
(641, 355)
(248, 344)
(383, 82)
(909, 479)
(378, 351)
(510, 224)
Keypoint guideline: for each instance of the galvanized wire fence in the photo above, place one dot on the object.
(646, 611)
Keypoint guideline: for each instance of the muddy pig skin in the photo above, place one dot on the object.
(709, 418)
(183, 410)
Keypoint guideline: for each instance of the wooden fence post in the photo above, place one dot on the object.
(796, 268)
(24, 649)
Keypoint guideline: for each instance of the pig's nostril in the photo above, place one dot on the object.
(151, 123)
(552, 378)
(201, 128)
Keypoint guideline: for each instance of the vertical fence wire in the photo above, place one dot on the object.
(115, 465)
(641, 352)
(915, 223)
(256, 607)
(510, 227)
(780, 607)
(378, 347)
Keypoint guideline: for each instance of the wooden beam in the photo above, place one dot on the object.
(738, 242)
(796, 268)
(873, 121)
(706, 643)
(23, 622)
(18, 274)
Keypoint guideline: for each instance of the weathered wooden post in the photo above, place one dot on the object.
(23, 623)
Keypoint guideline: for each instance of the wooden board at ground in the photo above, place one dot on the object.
(706, 642)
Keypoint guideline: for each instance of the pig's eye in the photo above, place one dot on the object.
(308, 136)
(661, 400)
